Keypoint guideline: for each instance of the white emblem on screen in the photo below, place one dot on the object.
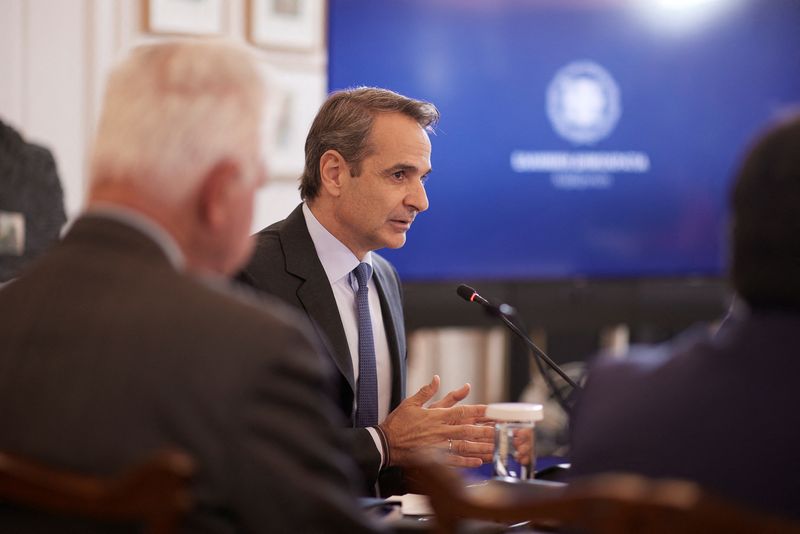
(583, 102)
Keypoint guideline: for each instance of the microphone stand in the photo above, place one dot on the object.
(504, 312)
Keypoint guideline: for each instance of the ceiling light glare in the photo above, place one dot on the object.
(682, 16)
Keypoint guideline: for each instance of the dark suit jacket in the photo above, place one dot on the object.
(285, 264)
(721, 411)
(108, 353)
(29, 185)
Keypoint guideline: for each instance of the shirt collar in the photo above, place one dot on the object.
(143, 224)
(337, 260)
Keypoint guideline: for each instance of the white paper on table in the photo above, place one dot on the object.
(412, 504)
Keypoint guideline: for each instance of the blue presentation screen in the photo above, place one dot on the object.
(577, 139)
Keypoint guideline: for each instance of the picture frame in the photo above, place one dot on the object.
(286, 24)
(12, 233)
(184, 17)
(292, 102)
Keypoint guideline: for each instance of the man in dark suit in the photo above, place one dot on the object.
(367, 160)
(31, 202)
(126, 338)
(719, 409)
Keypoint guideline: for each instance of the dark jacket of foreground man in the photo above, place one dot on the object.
(108, 353)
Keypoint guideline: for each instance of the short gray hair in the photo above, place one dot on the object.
(172, 110)
(344, 123)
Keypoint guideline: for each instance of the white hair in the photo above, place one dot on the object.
(172, 111)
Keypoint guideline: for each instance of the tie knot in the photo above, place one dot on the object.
(363, 272)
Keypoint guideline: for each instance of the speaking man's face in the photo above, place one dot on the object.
(377, 208)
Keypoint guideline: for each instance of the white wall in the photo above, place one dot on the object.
(57, 54)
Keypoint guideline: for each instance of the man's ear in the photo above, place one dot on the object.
(334, 171)
(216, 192)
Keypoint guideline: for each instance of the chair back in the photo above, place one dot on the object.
(154, 494)
(602, 504)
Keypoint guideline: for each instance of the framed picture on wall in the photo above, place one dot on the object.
(294, 97)
(286, 24)
(192, 17)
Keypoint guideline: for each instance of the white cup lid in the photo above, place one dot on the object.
(515, 411)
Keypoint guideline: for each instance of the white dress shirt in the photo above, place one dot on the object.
(338, 262)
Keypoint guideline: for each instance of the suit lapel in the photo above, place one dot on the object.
(392, 311)
(315, 293)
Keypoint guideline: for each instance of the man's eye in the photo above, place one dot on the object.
(399, 175)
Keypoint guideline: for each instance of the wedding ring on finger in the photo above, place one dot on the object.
(449, 446)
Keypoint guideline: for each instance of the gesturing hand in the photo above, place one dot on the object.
(412, 427)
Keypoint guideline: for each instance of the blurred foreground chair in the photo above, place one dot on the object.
(153, 495)
(613, 503)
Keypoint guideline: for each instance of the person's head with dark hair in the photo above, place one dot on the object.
(31, 202)
(765, 259)
(344, 123)
(368, 156)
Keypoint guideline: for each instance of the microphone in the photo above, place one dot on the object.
(505, 312)
(498, 310)
(469, 294)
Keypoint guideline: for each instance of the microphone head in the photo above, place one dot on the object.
(466, 292)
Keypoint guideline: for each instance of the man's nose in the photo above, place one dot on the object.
(417, 198)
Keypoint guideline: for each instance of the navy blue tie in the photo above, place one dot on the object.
(367, 406)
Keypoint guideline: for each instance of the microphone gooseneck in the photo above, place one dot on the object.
(505, 312)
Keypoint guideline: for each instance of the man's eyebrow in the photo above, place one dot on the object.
(404, 167)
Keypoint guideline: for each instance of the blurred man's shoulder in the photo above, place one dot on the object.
(247, 306)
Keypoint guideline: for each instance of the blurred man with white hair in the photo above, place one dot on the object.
(125, 338)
